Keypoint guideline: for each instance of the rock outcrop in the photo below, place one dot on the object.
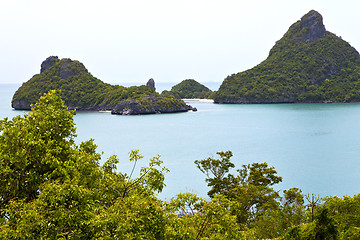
(313, 27)
(65, 70)
(48, 63)
(134, 107)
(151, 84)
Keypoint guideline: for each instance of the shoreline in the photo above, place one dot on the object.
(198, 100)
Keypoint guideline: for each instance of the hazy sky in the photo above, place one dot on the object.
(168, 40)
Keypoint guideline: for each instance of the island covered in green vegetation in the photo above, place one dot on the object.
(189, 89)
(308, 64)
(82, 91)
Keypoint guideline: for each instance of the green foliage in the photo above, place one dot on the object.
(249, 191)
(35, 148)
(52, 188)
(325, 226)
(326, 69)
(346, 212)
(258, 174)
(293, 197)
(337, 218)
(216, 170)
(201, 219)
(189, 88)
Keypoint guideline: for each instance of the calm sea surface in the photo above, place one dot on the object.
(315, 147)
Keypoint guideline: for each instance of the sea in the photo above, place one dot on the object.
(314, 147)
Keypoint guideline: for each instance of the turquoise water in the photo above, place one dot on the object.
(315, 147)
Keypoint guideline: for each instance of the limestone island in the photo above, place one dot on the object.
(307, 65)
(83, 92)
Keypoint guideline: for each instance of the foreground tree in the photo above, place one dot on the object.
(250, 190)
(217, 172)
(34, 149)
(52, 188)
(192, 217)
(291, 213)
(346, 213)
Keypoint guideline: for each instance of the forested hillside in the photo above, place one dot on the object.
(308, 64)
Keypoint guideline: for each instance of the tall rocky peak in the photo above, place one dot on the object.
(310, 28)
(64, 68)
(48, 63)
(313, 21)
(151, 84)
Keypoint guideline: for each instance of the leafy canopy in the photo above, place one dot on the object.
(54, 188)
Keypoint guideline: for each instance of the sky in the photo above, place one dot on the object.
(168, 40)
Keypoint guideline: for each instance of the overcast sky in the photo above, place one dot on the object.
(134, 40)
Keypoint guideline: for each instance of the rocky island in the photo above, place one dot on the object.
(307, 65)
(82, 91)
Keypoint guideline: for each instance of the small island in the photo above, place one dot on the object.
(83, 92)
(307, 65)
(189, 89)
